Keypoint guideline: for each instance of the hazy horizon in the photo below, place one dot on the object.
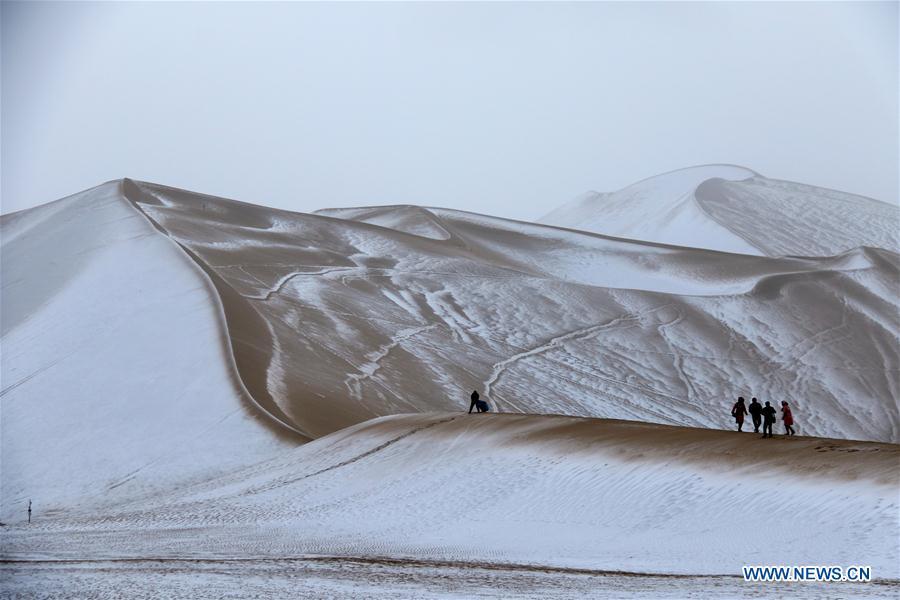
(508, 109)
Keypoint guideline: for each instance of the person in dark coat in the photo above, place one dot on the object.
(788, 418)
(474, 404)
(768, 413)
(738, 411)
(755, 410)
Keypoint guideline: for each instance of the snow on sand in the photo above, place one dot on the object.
(166, 354)
(499, 489)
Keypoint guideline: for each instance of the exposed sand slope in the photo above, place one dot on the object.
(724, 207)
(538, 490)
(363, 320)
(116, 371)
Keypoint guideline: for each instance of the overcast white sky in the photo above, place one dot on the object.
(508, 109)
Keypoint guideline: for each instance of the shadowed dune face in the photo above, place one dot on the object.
(362, 320)
(524, 489)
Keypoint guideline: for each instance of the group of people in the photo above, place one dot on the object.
(764, 415)
(761, 415)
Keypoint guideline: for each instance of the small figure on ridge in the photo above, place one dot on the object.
(738, 411)
(768, 413)
(478, 404)
(474, 403)
(755, 410)
(788, 418)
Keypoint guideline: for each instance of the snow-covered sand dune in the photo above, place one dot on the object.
(117, 376)
(121, 377)
(412, 313)
(519, 489)
(166, 354)
(737, 210)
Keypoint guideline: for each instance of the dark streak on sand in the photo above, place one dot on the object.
(397, 562)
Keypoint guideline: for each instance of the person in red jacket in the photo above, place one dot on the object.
(738, 411)
(788, 418)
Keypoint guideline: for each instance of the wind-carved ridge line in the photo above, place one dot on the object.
(208, 273)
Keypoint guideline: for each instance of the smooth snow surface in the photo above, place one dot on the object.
(733, 209)
(560, 492)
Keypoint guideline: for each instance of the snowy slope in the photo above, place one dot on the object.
(116, 370)
(733, 209)
(527, 490)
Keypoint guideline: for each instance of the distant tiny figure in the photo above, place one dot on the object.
(768, 413)
(738, 411)
(483, 406)
(788, 418)
(474, 403)
(29, 511)
(755, 410)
